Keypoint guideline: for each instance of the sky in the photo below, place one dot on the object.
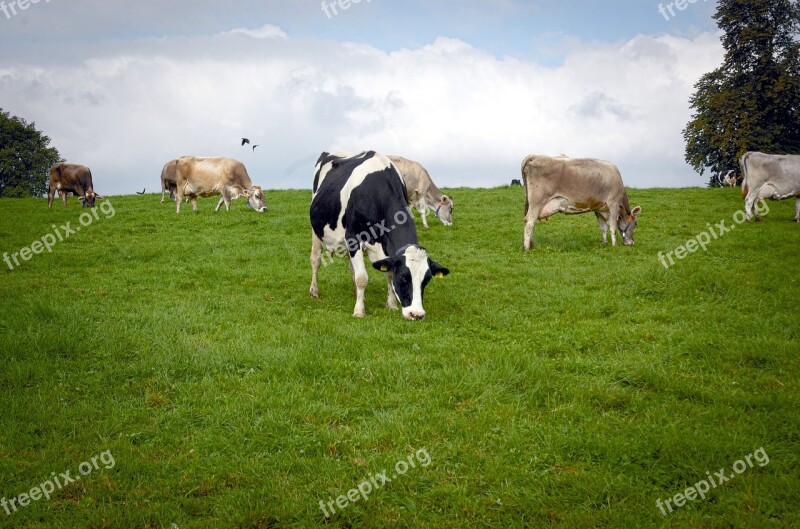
(466, 87)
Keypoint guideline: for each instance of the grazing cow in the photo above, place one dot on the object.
(71, 178)
(359, 205)
(577, 185)
(772, 176)
(516, 182)
(215, 176)
(168, 179)
(422, 192)
(728, 179)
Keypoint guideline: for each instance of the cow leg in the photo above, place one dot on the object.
(50, 196)
(613, 227)
(423, 212)
(601, 221)
(316, 260)
(194, 202)
(225, 198)
(749, 202)
(360, 278)
(391, 300)
(797, 210)
(63, 198)
(530, 224)
(163, 191)
(352, 276)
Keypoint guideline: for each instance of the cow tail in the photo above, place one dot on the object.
(525, 182)
(743, 167)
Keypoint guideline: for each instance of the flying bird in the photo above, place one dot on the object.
(143, 191)
(245, 140)
(254, 147)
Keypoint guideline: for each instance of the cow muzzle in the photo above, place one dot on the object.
(414, 315)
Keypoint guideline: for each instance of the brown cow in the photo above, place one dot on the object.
(215, 176)
(71, 178)
(168, 179)
(577, 185)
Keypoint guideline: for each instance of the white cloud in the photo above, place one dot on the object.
(469, 116)
(267, 31)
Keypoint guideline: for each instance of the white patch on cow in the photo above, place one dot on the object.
(562, 205)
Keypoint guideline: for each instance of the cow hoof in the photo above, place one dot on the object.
(358, 314)
(314, 293)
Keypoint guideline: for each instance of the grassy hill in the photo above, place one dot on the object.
(572, 386)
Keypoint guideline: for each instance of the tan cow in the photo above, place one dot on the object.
(71, 178)
(422, 192)
(205, 177)
(573, 186)
(168, 179)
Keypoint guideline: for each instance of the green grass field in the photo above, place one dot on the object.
(572, 386)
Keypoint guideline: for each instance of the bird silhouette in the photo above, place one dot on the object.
(254, 147)
(143, 191)
(245, 140)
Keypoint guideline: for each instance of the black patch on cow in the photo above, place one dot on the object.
(377, 212)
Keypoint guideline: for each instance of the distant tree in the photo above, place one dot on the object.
(25, 158)
(752, 101)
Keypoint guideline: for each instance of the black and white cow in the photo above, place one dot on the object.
(359, 205)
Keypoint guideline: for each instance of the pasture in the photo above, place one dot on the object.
(572, 386)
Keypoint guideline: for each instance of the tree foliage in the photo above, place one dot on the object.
(25, 158)
(752, 101)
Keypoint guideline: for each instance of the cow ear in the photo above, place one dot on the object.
(384, 265)
(437, 270)
(636, 211)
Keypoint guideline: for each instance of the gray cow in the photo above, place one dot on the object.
(422, 192)
(772, 176)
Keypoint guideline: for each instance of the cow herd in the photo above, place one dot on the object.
(361, 206)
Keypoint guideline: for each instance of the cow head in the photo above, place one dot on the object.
(444, 210)
(627, 223)
(88, 199)
(255, 199)
(411, 269)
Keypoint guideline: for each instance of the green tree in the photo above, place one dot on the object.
(25, 158)
(752, 101)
